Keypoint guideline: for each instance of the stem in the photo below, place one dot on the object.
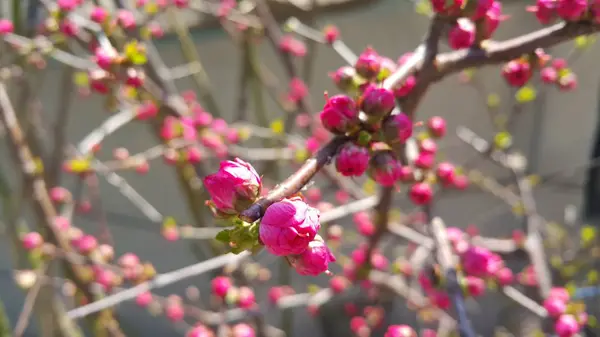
(294, 183)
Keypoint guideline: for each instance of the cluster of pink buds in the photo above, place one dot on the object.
(472, 20)
(289, 228)
(518, 72)
(560, 75)
(548, 11)
(567, 323)
(224, 289)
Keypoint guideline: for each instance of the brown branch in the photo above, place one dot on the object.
(497, 52)
(294, 183)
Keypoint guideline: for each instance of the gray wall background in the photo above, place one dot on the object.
(392, 27)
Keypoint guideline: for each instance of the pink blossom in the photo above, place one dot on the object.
(234, 187)
(32, 240)
(288, 226)
(339, 114)
(400, 331)
(368, 64)
(566, 326)
(243, 330)
(221, 285)
(352, 160)
(6, 26)
(398, 128)
(314, 260)
(462, 34)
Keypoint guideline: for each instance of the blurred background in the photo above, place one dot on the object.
(556, 132)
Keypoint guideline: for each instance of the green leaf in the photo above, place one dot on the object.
(588, 235)
(503, 140)
(81, 79)
(224, 236)
(423, 8)
(493, 101)
(583, 41)
(526, 94)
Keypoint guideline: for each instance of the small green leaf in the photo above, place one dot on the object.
(81, 79)
(503, 140)
(526, 94)
(224, 236)
(423, 8)
(493, 101)
(588, 235)
(592, 277)
(583, 41)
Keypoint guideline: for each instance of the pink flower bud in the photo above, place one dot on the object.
(368, 64)
(446, 172)
(32, 240)
(384, 168)
(377, 102)
(181, 3)
(314, 260)
(437, 126)
(68, 27)
(86, 244)
(425, 161)
(288, 226)
(245, 298)
(462, 34)
(505, 276)
(405, 87)
(397, 128)
(243, 330)
(549, 75)
(352, 160)
(99, 81)
(59, 194)
(567, 82)
(571, 10)
(147, 110)
(478, 261)
(6, 26)
(400, 331)
(560, 293)
(67, 5)
(566, 326)
(199, 330)
(331, 34)
(105, 58)
(344, 78)
(234, 187)
(440, 299)
(492, 19)
(338, 284)
(483, 6)
(339, 114)
(144, 299)
(221, 286)
(420, 194)
(475, 286)
(126, 19)
(134, 78)
(99, 15)
(544, 10)
(555, 306)
(517, 73)
(174, 311)
(290, 45)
